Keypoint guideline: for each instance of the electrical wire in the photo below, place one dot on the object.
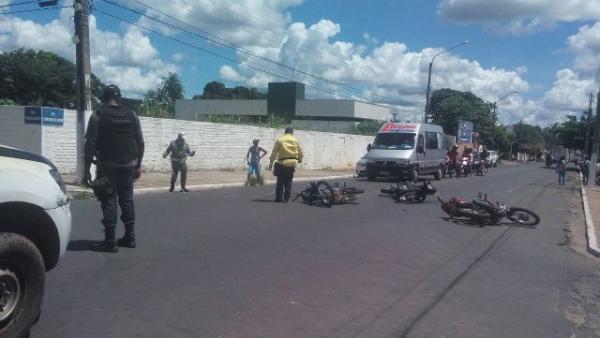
(17, 4)
(228, 44)
(35, 10)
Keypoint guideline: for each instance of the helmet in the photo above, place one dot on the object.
(111, 92)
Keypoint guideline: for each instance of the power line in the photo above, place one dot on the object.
(35, 10)
(232, 60)
(17, 4)
(228, 44)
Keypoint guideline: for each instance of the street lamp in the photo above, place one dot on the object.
(429, 76)
(495, 117)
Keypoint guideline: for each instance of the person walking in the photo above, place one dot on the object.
(179, 150)
(286, 155)
(253, 156)
(561, 169)
(114, 138)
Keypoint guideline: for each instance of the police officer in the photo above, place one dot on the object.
(286, 155)
(179, 150)
(114, 137)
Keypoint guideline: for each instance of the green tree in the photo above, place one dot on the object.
(449, 106)
(40, 78)
(161, 101)
(217, 90)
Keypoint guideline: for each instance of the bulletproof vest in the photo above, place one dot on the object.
(178, 150)
(117, 130)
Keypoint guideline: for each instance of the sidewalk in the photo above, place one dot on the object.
(591, 202)
(207, 179)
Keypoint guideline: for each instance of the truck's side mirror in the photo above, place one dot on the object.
(369, 146)
(420, 149)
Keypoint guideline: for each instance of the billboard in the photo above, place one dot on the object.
(465, 132)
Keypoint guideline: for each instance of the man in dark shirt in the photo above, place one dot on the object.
(114, 138)
(179, 150)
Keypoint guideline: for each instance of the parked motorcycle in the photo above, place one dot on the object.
(408, 192)
(479, 166)
(483, 211)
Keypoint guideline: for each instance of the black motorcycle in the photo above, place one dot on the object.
(323, 193)
(408, 192)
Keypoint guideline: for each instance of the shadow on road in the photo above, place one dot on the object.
(81, 245)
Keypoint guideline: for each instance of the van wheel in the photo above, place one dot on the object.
(414, 175)
(22, 275)
(438, 174)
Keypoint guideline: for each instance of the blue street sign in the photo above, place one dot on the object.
(44, 115)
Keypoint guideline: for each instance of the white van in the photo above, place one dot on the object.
(407, 150)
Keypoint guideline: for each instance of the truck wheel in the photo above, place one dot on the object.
(22, 275)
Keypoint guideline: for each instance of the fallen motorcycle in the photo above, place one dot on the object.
(483, 211)
(323, 193)
(408, 192)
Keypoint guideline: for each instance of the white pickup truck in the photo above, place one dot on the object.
(35, 227)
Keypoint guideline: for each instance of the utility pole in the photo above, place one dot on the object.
(596, 143)
(588, 122)
(84, 70)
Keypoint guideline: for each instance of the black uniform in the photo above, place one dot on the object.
(114, 138)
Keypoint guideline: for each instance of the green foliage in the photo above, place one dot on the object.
(529, 136)
(217, 90)
(39, 78)
(7, 102)
(449, 106)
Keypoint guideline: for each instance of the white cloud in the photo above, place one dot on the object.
(569, 92)
(229, 74)
(389, 69)
(128, 60)
(370, 39)
(178, 57)
(519, 16)
(586, 47)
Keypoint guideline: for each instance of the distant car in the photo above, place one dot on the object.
(35, 227)
(361, 167)
(493, 158)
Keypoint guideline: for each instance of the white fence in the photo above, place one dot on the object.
(218, 146)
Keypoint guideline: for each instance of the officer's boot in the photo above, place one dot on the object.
(109, 244)
(128, 240)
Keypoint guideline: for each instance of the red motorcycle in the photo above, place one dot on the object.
(483, 211)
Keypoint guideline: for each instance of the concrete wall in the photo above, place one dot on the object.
(218, 146)
(193, 109)
(342, 108)
(223, 146)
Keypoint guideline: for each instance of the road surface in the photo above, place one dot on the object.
(230, 263)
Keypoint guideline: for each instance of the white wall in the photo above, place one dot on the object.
(218, 146)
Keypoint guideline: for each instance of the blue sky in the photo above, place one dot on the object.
(548, 51)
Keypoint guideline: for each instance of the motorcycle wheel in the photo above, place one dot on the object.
(326, 192)
(419, 197)
(354, 191)
(523, 216)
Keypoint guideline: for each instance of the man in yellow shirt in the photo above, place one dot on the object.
(286, 155)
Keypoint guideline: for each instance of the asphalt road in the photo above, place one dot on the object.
(230, 263)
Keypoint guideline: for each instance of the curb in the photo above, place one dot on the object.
(590, 230)
(198, 187)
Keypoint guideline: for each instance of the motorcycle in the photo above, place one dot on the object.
(448, 168)
(323, 193)
(479, 166)
(483, 211)
(407, 192)
(465, 167)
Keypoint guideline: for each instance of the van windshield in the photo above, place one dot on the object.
(403, 141)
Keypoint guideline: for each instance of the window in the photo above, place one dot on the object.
(431, 140)
(403, 141)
